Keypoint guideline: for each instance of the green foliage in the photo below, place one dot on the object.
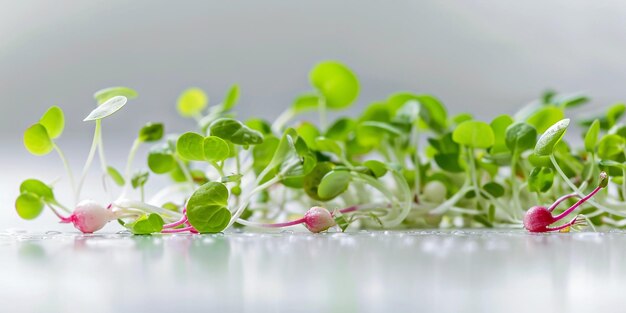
(191, 102)
(146, 224)
(520, 137)
(161, 159)
(374, 162)
(37, 141)
(207, 209)
(541, 179)
(116, 176)
(333, 184)
(235, 132)
(548, 140)
(54, 121)
(474, 134)
(103, 95)
(336, 83)
(29, 206)
(151, 132)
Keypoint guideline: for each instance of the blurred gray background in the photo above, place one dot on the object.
(487, 57)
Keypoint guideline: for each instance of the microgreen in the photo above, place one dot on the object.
(367, 170)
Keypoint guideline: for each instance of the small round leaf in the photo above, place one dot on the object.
(54, 121)
(336, 83)
(37, 141)
(215, 149)
(190, 146)
(474, 134)
(191, 102)
(28, 206)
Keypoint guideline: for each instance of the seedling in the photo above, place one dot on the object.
(538, 218)
(371, 170)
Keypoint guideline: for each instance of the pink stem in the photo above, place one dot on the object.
(64, 220)
(178, 230)
(577, 204)
(301, 220)
(568, 224)
(286, 224)
(561, 199)
(349, 209)
(182, 221)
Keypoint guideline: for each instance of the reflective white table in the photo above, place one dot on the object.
(425, 271)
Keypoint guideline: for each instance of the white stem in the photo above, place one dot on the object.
(90, 157)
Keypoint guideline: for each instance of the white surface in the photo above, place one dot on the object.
(478, 271)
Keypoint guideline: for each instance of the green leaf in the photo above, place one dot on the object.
(313, 179)
(591, 138)
(207, 208)
(232, 97)
(474, 134)
(38, 188)
(37, 141)
(54, 121)
(408, 113)
(191, 102)
(499, 126)
(161, 159)
(433, 113)
(103, 95)
(611, 146)
(259, 125)
(235, 178)
(340, 129)
(328, 145)
(333, 184)
(336, 83)
(235, 131)
(494, 189)
(308, 132)
(116, 176)
(29, 206)
(151, 132)
(262, 153)
(341, 221)
(614, 113)
(548, 140)
(520, 137)
(215, 149)
(106, 109)
(139, 179)
(545, 117)
(304, 103)
(460, 118)
(569, 100)
(190, 146)
(540, 179)
(378, 168)
(146, 224)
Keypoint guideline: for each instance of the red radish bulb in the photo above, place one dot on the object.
(90, 216)
(318, 219)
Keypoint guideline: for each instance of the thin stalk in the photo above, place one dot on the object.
(322, 112)
(416, 162)
(66, 164)
(90, 157)
(131, 204)
(129, 164)
(579, 192)
(282, 120)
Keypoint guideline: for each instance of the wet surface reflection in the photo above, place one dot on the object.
(426, 271)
